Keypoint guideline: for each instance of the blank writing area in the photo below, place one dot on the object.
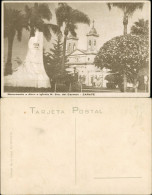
(43, 148)
(113, 152)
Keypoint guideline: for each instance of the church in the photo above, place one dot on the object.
(82, 61)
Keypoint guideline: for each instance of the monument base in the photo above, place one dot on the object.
(26, 81)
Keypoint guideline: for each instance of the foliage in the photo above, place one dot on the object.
(70, 17)
(141, 27)
(124, 55)
(53, 59)
(52, 63)
(36, 16)
(128, 8)
(14, 22)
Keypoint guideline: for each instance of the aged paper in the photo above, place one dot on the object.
(76, 146)
(76, 48)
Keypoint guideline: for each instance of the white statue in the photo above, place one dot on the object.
(31, 73)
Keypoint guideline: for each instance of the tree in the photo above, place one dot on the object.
(53, 64)
(140, 28)
(125, 54)
(69, 17)
(53, 59)
(128, 10)
(14, 22)
(36, 16)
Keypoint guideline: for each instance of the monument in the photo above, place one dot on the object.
(31, 73)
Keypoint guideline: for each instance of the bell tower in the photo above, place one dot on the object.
(72, 43)
(92, 38)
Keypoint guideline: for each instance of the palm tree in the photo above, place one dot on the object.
(38, 18)
(69, 17)
(128, 10)
(13, 25)
(141, 27)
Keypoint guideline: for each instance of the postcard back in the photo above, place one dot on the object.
(76, 146)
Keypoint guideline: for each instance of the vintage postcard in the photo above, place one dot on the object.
(76, 48)
(76, 146)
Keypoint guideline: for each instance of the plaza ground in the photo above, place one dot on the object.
(8, 89)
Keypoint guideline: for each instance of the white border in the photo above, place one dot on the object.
(73, 94)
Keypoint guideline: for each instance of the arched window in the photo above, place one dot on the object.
(90, 42)
(94, 42)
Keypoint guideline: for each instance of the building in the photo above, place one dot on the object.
(82, 61)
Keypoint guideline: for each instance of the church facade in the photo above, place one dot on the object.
(82, 61)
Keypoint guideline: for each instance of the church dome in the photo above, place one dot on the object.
(93, 31)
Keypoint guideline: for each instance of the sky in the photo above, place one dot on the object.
(108, 24)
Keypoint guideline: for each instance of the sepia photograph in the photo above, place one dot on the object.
(77, 49)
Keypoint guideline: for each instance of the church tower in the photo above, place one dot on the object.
(72, 43)
(92, 37)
